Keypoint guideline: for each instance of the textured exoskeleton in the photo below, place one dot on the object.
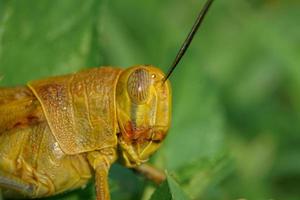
(57, 133)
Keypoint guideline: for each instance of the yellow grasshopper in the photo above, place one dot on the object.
(57, 133)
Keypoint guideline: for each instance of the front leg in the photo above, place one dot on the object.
(153, 174)
(101, 162)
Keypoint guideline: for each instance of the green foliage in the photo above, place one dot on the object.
(236, 94)
(169, 190)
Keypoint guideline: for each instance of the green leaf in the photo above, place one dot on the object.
(44, 38)
(169, 190)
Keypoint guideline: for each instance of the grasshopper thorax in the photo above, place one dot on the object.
(143, 112)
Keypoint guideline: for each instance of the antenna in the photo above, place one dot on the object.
(189, 38)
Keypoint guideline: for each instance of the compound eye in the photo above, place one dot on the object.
(138, 85)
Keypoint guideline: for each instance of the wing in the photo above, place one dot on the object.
(18, 107)
(80, 108)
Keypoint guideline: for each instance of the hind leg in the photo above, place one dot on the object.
(15, 187)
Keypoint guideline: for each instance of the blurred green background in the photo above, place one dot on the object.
(236, 94)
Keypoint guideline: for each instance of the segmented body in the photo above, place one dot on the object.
(47, 128)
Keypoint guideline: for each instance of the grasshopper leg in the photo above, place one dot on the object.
(13, 183)
(102, 187)
(151, 173)
(101, 162)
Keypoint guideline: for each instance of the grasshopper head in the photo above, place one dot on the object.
(143, 112)
(144, 104)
